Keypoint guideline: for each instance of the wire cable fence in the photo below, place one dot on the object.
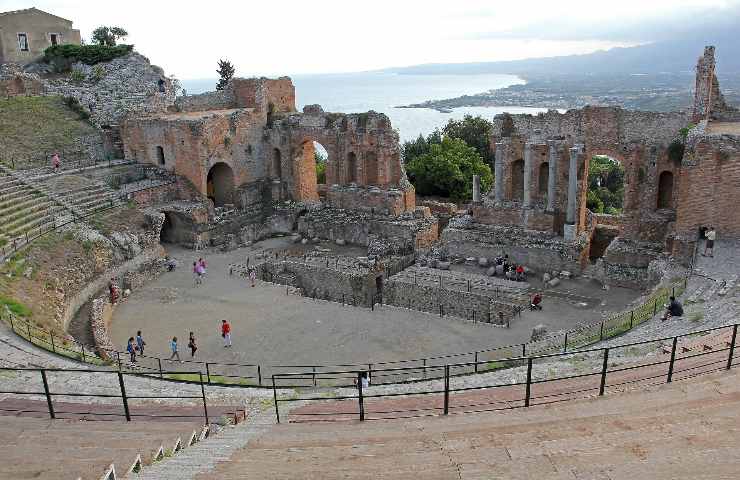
(532, 383)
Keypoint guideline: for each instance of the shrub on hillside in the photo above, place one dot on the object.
(76, 107)
(63, 56)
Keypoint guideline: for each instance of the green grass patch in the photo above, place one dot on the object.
(32, 127)
(15, 307)
(215, 379)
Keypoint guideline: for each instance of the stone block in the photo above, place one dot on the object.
(443, 265)
(554, 282)
(491, 272)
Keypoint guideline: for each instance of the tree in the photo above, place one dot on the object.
(108, 36)
(420, 146)
(225, 72)
(447, 170)
(475, 131)
(320, 167)
(605, 185)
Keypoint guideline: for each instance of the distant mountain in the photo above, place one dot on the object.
(674, 56)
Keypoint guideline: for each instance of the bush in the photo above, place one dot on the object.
(63, 56)
(77, 76)
(76, 107)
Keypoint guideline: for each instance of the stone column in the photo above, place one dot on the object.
(527, 197)
(476, 188)
(552, 175)
(498, 186)
(570, 215)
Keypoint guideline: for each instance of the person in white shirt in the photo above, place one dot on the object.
(710, 236)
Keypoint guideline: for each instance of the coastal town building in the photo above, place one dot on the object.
(25, 34)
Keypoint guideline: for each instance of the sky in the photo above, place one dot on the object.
(289, 37)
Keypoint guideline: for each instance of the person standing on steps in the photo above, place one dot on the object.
(226, 333)
(710, 236)
(192, 345)
(173, 347)
(55, 162)
(140, 343)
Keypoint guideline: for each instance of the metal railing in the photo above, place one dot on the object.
(535, 384)
(407, 370)
(52, 393)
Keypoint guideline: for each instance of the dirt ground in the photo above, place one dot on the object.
(272, 328)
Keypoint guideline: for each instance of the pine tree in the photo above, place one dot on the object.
(225, 72)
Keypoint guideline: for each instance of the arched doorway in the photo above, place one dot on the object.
(665, 190)
(276, 170)
(351, 167)
(320, 157)
(517, 180)
(160, 155)
(220, 184)
(543, 178)
(371, 168)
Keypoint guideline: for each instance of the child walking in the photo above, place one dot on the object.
(173, 347)
(191, 344)
(131, 349)
(226, 333)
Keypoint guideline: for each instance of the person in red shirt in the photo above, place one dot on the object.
(226, 333)
(519, 273)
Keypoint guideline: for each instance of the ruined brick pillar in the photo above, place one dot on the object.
(552, 175)
(498, 185)
(527, 197)
(570, 215)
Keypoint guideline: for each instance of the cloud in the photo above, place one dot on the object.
(689, 20)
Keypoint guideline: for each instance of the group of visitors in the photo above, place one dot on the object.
(510, 270)
(199, 271)
(135, 346)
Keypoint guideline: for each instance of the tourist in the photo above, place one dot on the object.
(710, 236)
(191, 344)
(131, 349)
(536, 302)
(203, 266)
(673, 309)
(173, 347)
(113, 289)
(520, 273)
(226, 333)
(252, 275)
(55, 162)
(196, 274)
(140, 342)
(365, 380)
(171, 264)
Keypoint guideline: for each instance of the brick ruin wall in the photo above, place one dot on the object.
(709, 103)
(425, 298)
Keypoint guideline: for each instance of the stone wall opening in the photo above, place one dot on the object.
(517, 180)
(177, 229)
(321, 158)
(371, 168)
(665, 190)
(606, 185)
(542, 179)
(351, 167)
(220, 184)
(276, 169)
(160, 155)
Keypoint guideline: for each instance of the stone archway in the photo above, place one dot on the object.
(220, 184)
(665, 190)
(371, 168)
(351, 167)
(517, 180)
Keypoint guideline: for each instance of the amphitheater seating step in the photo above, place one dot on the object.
(684, 430)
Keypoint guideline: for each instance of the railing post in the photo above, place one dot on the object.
(424, 364)
(314, 375)
(565, 343)
(673, 359)
(601, 332)
(203, 393)
(159, 362)
(447, 390)
(48, 395)
(632, 318)
(655, 306)
(274, 396)
(118, 357)
(82, 345)
(123, 397)
(53, 347)
(528, 391)
(208, 373)
(603, 372)
(369, 373)
(359, 397)
(259, 376)
(28, 328)
(476, 362)
(524, 349)
(732, 347)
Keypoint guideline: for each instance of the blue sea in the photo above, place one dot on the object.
(382, 92)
